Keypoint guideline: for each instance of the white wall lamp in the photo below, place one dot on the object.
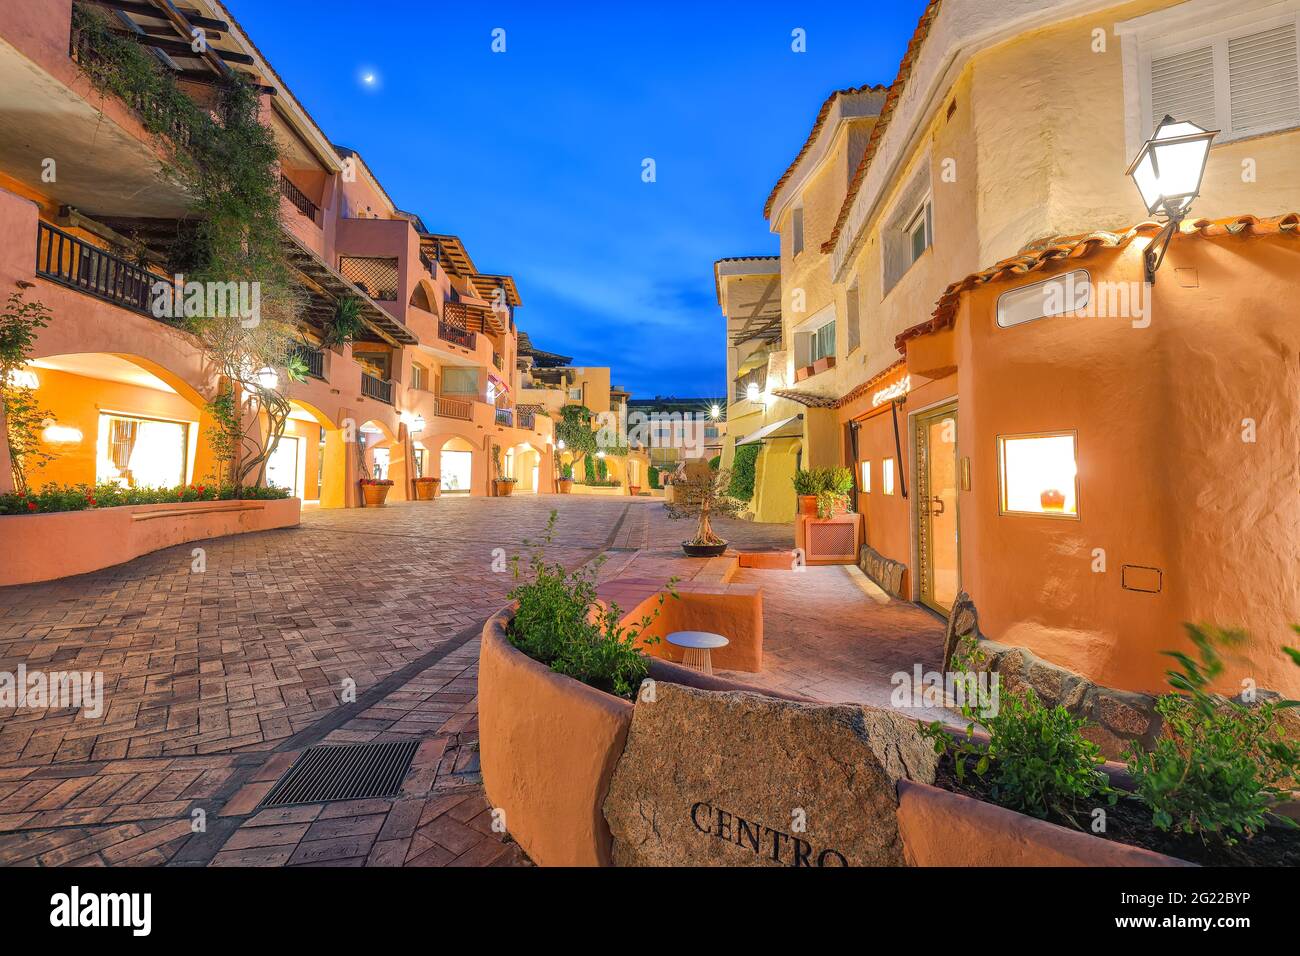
(1167, 172)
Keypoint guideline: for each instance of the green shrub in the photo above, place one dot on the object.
(741, 486)
(55, 497)
(559, 622)
(715, 462)
(652, 476)
(1036, 760)
(566, 471)
(589, 469)
(1219, 767)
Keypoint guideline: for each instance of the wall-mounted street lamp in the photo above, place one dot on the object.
(417, 424)
(1167, 172)
(751, 392)
(560, 444)
(715, 411)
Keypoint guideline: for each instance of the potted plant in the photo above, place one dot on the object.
(566, 478)
(703, 496)
(504, 486)
(375, 491)
(634, 489)
(426, 489)
(808, 484)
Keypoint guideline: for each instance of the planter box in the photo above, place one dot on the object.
(548, 746)
(833, 540)
(941, 828)
(43, 547)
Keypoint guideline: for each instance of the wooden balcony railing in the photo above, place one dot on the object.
(505, 417)
(527, 418)
(314, 359)
(376, 388)
(72, 262)
(457, 335)
(299, 200)
(461, 409)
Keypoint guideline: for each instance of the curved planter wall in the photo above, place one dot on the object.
(43, 547)
(940, 828)
(548, 746)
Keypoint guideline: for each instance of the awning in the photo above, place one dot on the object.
(786, 428)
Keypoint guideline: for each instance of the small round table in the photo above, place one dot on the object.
(699, 646)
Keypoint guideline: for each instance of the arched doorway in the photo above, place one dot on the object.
(525, 466)
(117, 419)
(456, 465)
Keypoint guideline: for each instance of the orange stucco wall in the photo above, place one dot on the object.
(1165, 477)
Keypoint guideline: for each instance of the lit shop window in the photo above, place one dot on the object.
(887, 476)
(866, 477)
(1038, 474)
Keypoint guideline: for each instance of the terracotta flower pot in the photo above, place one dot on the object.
(566, 486)
(505, 487)
(808, 505)
(375, 495)
(1052, 500)
(633, 489)
(426, 489)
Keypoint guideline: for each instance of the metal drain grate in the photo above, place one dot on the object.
(348, 772)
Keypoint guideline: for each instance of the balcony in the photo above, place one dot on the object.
(77, 264)
(527, 418)
(299, 200)
(377, 388)
(457, 335)
(376, 276)
(314, 359)
(505, 416)
(461, 409)
(498, 361)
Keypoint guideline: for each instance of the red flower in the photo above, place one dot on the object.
(31, 506)
(91, 502)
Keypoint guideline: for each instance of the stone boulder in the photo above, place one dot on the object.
(739, 779)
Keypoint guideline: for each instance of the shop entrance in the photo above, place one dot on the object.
(938, 554)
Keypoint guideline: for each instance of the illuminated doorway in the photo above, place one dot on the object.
(938, 552)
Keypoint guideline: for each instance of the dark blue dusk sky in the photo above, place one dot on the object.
(534, 156)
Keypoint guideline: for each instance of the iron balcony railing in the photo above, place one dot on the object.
(457, 335)
(461, 409)
(314, 359)
(527, 418)
(72, 262)
(377, 388)
(299, 199)
(504, 417)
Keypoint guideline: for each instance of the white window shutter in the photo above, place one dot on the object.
(1182, 86)
(1264, 80)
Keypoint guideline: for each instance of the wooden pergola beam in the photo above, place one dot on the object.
(193, 17)
(179, 47)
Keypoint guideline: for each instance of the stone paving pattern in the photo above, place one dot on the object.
(215, 682)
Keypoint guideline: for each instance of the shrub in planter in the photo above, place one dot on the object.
(1219, 768)
(559, 622)
(54, 497)
(652, 476)
(375, 491)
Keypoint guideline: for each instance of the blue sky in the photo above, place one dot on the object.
(534, 156)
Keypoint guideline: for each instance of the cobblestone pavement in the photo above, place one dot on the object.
(215, 681)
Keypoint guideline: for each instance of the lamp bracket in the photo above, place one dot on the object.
(1155, 253)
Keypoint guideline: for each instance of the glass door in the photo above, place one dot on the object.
(938, 554)
(282, 466)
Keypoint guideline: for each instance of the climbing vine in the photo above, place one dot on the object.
(226, 158)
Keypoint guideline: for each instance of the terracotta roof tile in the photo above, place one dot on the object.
(1078, 247)
(811, 400)
(807, 399)
(882, 124)
(818, 123)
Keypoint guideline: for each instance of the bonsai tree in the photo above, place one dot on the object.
(703, 496)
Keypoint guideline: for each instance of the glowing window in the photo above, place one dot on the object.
(866, 477)
(1038, 474)
(887, 476)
